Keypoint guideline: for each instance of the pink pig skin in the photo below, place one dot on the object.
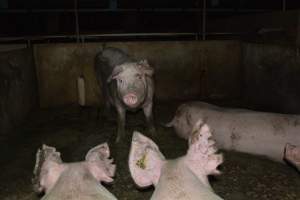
(73, 181)
(242, 130)
(184, 178)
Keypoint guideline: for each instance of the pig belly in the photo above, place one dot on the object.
(177, 182)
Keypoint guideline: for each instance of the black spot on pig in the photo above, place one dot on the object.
(278, 126)
(235, 138)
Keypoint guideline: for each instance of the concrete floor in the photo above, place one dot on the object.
(73, 133)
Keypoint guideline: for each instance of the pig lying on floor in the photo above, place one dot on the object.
(240, 129)
(184, 178)
(73, 181)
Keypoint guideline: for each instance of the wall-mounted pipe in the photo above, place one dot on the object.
(81, 91)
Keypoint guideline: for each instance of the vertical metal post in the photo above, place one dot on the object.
(28, 43)
(76, 21)
(204, 20)
(283, 5)
(198, 22)
(113, 4)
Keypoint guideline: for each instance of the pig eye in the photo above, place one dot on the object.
(139, 76)
(121, 81)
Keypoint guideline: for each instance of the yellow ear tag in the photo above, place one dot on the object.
(141, 162)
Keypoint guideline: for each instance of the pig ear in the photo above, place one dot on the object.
(145, 160)
(47, 170)
(116, 71)
(201, 155)
(99, 164)
(145, 67)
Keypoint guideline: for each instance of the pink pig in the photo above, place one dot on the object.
(73, 181)
(248, 131)
(184, 178)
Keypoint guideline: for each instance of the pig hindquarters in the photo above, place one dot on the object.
(126, 84)
(240, 129)
(292, 155)
(73, 181)
(179, 179)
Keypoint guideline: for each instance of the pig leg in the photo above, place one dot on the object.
(107, 105)
(292, 155)
(121, 122)
(149, 117)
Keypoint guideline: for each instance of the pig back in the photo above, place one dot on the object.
(177, 182)
(107, 60)
(76, 183)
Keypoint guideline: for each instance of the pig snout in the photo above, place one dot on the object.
(130, 99)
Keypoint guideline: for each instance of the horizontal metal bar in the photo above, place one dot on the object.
(114, 35)
(131, 10)
(94, 36)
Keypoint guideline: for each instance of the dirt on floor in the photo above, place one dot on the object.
(73, 131)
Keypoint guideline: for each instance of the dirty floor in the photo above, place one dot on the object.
(74, 131)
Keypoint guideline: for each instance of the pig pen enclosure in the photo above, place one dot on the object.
(39, 105)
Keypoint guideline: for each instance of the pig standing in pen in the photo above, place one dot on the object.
(73, 181)
(179, 179)
(242, 130)
(126, 84)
